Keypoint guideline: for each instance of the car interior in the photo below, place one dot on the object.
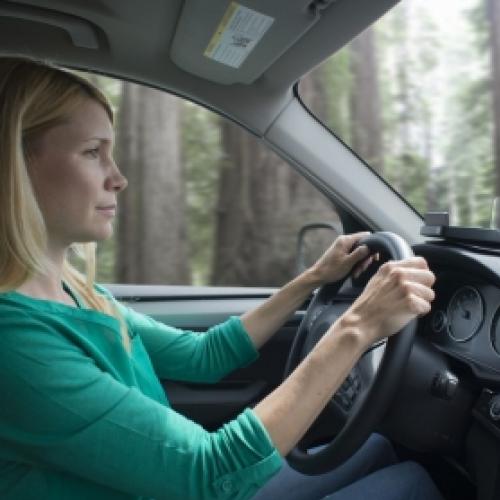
(438, 397)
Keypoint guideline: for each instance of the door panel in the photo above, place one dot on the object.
(197, 309)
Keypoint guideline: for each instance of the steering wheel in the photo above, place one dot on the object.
(363, 405)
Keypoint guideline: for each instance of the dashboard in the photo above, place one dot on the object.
(448, 399)
(464, 322)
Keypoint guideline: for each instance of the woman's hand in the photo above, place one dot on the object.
(336, 262)
(340, 258)
(397, 293)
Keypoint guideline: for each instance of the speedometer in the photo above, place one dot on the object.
(465, 313)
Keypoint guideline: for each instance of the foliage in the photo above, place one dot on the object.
(469, 154)
(468, 151)
(201, 155)
(337, 83)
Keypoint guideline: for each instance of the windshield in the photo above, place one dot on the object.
(417, 97)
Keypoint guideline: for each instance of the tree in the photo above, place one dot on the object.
(406, 90)
(493, 9)
(469, 148)
(336, 81)
(366, 123)
(201, 157)
(152, 239)
(262, 203)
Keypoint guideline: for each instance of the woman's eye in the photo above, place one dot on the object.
(93, 153)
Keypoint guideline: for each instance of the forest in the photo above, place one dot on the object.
(416, 96)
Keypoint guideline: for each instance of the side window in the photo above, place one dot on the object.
(206, 204)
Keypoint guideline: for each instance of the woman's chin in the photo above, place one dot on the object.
(102, 234)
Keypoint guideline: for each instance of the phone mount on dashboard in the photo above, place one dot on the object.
(437, 226)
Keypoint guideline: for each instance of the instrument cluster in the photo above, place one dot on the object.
(465, 319)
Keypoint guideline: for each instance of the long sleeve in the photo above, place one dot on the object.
(67, 415)
(192, 356)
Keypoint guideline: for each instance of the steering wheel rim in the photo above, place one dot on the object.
(368, 413)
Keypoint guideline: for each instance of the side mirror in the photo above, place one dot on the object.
(312, 241)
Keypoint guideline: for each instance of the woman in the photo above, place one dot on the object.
(86, 415)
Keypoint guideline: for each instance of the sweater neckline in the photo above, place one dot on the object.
(54, 307)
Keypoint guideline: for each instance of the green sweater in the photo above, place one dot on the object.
(80, 418)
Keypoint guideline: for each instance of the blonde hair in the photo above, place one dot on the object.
(34, 97)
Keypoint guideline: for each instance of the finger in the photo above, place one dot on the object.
(393, 266)
(359, 254)
(352, 239)
(420, 290)
(423, 276)
(358, 235)
(419, 306)
(419, 262)
(363, 266)
(396, 272)
(367, 262)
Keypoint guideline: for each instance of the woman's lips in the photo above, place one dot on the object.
(110, 211)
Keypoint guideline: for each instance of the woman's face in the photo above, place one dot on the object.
(75, 178)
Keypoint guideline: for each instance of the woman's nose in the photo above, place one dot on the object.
(116, 181)
(121, 182)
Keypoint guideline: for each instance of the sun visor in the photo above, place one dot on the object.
(231, 42)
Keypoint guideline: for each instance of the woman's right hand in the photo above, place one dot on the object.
(397, 293)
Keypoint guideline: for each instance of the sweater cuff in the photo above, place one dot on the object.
(245, 482)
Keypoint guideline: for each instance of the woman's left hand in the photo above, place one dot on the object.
(340, 258)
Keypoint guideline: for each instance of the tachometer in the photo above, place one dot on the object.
(465, 313)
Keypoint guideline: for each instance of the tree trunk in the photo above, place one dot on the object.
(126, 155)
(494, 24)
(453, 209)
(400, 144)
(152, 226)
(366, 122)
(262, 204)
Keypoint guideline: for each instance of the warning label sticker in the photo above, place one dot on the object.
(239, 31)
